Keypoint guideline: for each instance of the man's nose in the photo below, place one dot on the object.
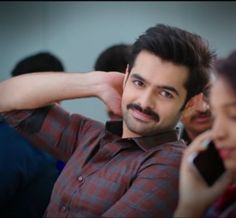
(200, 103)
(147, 99)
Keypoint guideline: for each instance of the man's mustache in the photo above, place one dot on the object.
(147, 111)
(200, 114)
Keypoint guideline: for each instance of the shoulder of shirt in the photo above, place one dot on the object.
(175, 147)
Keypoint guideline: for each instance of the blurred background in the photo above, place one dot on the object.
(77, 32)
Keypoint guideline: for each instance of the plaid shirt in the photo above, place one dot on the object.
(105, 175)
(225, 205)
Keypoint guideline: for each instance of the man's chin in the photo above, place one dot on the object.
(142, 131)
(201, 125)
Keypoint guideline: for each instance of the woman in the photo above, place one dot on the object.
(197, 199)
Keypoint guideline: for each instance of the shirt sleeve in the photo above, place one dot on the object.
(154, 193)
(51, 128)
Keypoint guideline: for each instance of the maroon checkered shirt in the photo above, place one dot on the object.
(105, 175)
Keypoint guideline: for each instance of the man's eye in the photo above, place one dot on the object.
(138, 83)
(166, 94)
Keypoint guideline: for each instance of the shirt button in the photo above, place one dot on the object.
(63, 208)
(80, 178)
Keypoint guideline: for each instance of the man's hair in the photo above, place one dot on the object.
(114, 58)
(179, 47)
(39, 62)
(226, 69)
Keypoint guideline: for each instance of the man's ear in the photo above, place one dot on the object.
(126, 75)
(181, 115)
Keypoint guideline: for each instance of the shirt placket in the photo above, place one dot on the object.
(96, 163)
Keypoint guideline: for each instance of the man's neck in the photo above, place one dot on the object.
(191, 135)
(126, 133)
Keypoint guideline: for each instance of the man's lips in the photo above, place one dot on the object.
(202, 118)
(141, 116)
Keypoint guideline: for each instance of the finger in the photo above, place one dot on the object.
(115, 107)
(200, 143)
(196, 176)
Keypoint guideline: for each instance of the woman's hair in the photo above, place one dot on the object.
(226, 69)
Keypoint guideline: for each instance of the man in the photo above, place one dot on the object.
(196, 117)
(27, 173)
(127, 168)
(113, 58)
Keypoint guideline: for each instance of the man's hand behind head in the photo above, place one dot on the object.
(111, 90)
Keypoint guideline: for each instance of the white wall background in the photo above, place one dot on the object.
(78, 31)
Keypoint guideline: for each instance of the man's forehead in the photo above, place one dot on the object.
(160, 80)
(152, 67)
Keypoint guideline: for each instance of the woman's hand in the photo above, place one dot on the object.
(195, 195)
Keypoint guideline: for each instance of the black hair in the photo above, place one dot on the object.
(114, 58)
(39, 62)
(180, 47)
(226, 68)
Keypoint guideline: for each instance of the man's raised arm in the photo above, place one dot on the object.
(39, 89)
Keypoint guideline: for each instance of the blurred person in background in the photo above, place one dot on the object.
(196, 198)
(27, 173)
(196, 117)
(113, 58)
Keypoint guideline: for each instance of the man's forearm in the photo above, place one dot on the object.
(39, 89)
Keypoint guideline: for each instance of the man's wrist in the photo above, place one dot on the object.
(98, 84)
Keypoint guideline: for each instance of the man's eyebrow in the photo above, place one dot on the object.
(170, 88)
(136, 76)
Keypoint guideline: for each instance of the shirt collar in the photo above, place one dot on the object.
(115, 127)
(145, 142)
(185, 137)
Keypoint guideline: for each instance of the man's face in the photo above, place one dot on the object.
(153, 95)
(196, 116)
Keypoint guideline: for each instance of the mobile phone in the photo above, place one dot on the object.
(208, 163)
